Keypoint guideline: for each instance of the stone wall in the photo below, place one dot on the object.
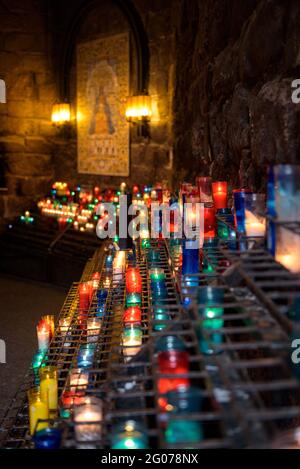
(220, 76)
(25, 128)
(233, 113)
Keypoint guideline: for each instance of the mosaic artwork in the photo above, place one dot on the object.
(102, 88)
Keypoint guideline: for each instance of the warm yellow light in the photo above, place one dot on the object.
(61, 113)
(138, 108)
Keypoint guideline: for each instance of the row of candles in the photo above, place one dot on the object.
(249, 207)
(177, 395)
(256, 215)
(43, 399)
(132, 318)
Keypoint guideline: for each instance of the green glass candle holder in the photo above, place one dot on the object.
(211, 311)
(184, 402)
(129, 435)
(157, 275)
(133, 299)
(169, 343)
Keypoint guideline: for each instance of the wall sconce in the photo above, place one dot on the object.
(61, 113)
(139, 109)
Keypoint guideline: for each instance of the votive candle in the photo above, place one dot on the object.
(132, 339)
(38, 410)
(88, 420)
(49, 319)
(219, 190)
(132, 315)
(209, 221)
(93, 329)
(78, 380)
(133, 280)
(43, 335)
(49, 388)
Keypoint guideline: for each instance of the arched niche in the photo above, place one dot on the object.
(140, 49)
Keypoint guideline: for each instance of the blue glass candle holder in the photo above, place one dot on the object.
(109, 261)
(86, 355)
(271, 204)
(271, 237)
(159, 289)
(189, 287)
(102, 295)
(101, 302)
(239, 207)
(49, 438)
(190, 259)
(210, 309)
(184, 402)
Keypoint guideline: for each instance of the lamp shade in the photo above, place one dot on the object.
(61, 113)
(138, 108)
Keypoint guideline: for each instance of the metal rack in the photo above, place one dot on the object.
(249, 393)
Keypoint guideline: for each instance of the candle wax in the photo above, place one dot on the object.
(38, 410)
(49, 389)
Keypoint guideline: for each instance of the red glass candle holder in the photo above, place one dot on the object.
(71, 398)
(172, 362)
(205, 189)
(219, 190)
(84, 302)
(132, 315)
(133, 280)
(209, 221)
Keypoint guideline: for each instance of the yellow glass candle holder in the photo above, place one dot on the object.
(38, 410)
(48, 383)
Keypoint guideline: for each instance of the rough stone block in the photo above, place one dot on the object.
(29, 164)
(37, 145)
(38, 186)
(12, 144)
(15, 205)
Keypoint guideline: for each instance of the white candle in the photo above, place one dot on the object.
(119, 265)
(88, 420)
(43, 335)
(65, 330)
(78, 380)
(132, 342)
(254, 225)
(93, 329)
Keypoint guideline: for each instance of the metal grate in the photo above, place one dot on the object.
(249, 393)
